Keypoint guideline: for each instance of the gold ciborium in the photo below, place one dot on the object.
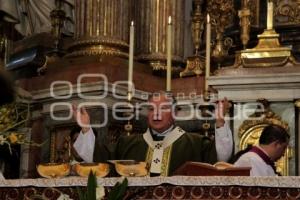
(131, 168)
(99, 169)
(53, 170)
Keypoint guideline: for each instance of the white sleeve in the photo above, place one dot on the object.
(258, 167)
(245, 161)
(84, 145)
(224, 142)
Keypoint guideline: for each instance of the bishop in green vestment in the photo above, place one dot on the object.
(164, 147)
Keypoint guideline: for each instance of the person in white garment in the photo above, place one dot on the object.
(164, 146)
(261, 158)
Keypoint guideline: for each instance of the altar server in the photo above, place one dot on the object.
(272, 144)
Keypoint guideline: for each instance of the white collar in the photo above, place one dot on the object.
(169, 139)
(164, 133)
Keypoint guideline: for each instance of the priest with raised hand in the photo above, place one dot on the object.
(164, 146)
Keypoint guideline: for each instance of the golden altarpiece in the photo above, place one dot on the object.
(250, 131)
(255, 54)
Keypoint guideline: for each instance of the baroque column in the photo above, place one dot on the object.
(151, 24)
(101, 28)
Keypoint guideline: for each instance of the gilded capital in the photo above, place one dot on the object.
(151, 25)
(101, 28)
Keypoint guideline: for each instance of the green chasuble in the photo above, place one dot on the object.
(188, 147)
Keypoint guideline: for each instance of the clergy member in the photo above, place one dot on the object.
(164, 146)
(272, 145)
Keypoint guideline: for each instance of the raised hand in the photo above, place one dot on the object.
(82, 118)
(220, 112)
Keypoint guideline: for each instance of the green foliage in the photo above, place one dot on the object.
(90, 194)
(81, 194)
(91, 186)
(118, 191)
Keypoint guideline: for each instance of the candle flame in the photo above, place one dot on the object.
(208, 18)
(132, 23)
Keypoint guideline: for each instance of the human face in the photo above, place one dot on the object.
(279, 150)
(160, 116)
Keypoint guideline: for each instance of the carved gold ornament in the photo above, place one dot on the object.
(222, 13)
(194, 66)
(287, 12)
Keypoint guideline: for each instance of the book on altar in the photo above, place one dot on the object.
(206, 169)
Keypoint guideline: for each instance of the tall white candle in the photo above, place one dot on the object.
(169, 54)
(131, 53)
(270, 14)
(207, 61)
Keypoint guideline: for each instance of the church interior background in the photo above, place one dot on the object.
(47, 45)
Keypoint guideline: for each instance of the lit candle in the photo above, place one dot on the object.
(169, 54)
(207, 62)
(131, 53)
(270, 14)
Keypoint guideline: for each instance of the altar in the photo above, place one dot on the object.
(176, 187)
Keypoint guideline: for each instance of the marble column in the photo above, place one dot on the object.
(151, 27)
(101, 28)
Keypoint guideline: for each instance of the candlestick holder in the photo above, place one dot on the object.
(197, 25)
(244, 15)
(58, 17)
(195, 65)
(268, 52)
